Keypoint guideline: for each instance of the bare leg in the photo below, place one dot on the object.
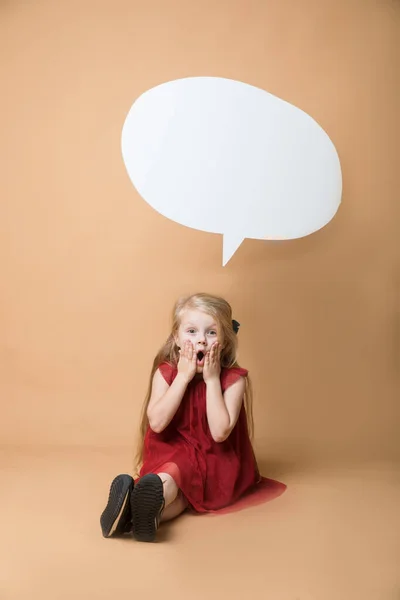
(170, 488)
(175, 502)
(174, 509)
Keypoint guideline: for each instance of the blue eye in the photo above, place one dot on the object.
(213, 332)
(191, 331)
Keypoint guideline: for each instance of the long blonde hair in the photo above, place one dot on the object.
(221, 311)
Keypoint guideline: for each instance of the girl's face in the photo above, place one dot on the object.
(201, 330)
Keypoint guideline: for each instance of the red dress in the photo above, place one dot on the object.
(211, 475)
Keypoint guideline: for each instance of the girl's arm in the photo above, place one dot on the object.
(223, 409)
(165, 400)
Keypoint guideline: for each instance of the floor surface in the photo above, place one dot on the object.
(333, 535)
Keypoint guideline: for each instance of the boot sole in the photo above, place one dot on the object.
(116, 514)
(147, 501)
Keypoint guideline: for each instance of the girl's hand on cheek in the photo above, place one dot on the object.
(212, 363)
(187, 365)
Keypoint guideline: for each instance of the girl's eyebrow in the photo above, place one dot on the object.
(213, 326)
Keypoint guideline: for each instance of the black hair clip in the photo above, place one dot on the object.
(235, 326)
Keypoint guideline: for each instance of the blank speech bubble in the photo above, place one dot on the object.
(226, 157)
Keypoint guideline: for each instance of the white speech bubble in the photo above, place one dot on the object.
(226, 157)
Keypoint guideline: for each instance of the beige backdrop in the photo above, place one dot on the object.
(89, 271)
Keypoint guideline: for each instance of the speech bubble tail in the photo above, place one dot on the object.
(231, 243)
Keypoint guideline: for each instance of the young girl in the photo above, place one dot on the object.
(195, 450)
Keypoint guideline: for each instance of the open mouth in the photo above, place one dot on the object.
(200, 357)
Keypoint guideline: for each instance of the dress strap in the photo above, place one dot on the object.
(168, 371)
(230, 376)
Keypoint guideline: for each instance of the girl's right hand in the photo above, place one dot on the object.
(187, 365)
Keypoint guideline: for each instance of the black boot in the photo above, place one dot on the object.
(116, 517)
(147, 505)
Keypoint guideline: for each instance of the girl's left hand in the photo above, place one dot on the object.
(212, 364)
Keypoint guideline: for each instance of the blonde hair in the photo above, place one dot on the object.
(221, 311)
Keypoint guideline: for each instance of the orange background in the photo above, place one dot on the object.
(89, 271)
